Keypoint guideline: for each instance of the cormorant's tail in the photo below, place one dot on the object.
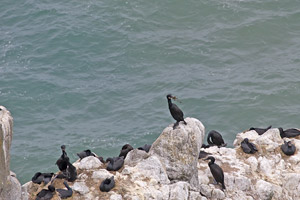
(269, 127)
(223, 186)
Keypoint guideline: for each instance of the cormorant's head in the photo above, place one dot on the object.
(63, 147)
(246, 140)
(169, 96)
(88, 152)
(289, 143)
(127, 146)
(109, 159)
(51, 188)
(211, 158)
(251, 129)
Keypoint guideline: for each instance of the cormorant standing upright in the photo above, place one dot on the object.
(176, 113)
(62, 162)
(215, 138)
(216, 171)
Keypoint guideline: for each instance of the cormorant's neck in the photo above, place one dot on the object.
(67, 186)
(170, 102)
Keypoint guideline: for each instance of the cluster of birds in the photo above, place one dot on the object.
(214, 138)
(69, 173)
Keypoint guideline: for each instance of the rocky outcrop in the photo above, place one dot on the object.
(160, 175)
(10, 187)
(178, 150)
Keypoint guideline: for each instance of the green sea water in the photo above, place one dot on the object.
(95, 74)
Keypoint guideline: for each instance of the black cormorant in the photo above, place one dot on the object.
(71, 172)
(85, 153)
(146, 147)
(216, 171)
(248, 147)
(65, 193)
(37, 178)
(115, 163)
(107, 184)
(176, 113)
(289, 132)
(125, 150)
(288, 148)
(45, 194)
(260, 131)
(215, 138)
(62, 161)
(42, 177)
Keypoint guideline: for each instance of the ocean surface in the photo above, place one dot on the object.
(95, 74)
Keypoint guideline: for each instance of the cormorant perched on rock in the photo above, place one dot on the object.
(65, 193)
(37, 178)
(45, 194)
(288, 148)
(176, 113)
(42, 177)
(146, 148)
(70, 173)
(248, 147)
(216, 171)
(125, 149)
(115, 163)
(289, 132)
(107, 184)
(260, 131)
(85, 153)
(62, 161)
(215, 138)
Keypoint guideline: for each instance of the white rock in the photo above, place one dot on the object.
(90, 162)
(116, 197)
(253, 163)
(242, 183)
(195, 196)
(179, 190)
(134, 157)
(80, 187)
(218, 194)
(264, 190)
(152, 168)
(291, 181)
(101, 174)
(178, 150)
(10, 187)
(266, 166)
(206, 190)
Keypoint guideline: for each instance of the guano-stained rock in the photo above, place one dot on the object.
(178, 150)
